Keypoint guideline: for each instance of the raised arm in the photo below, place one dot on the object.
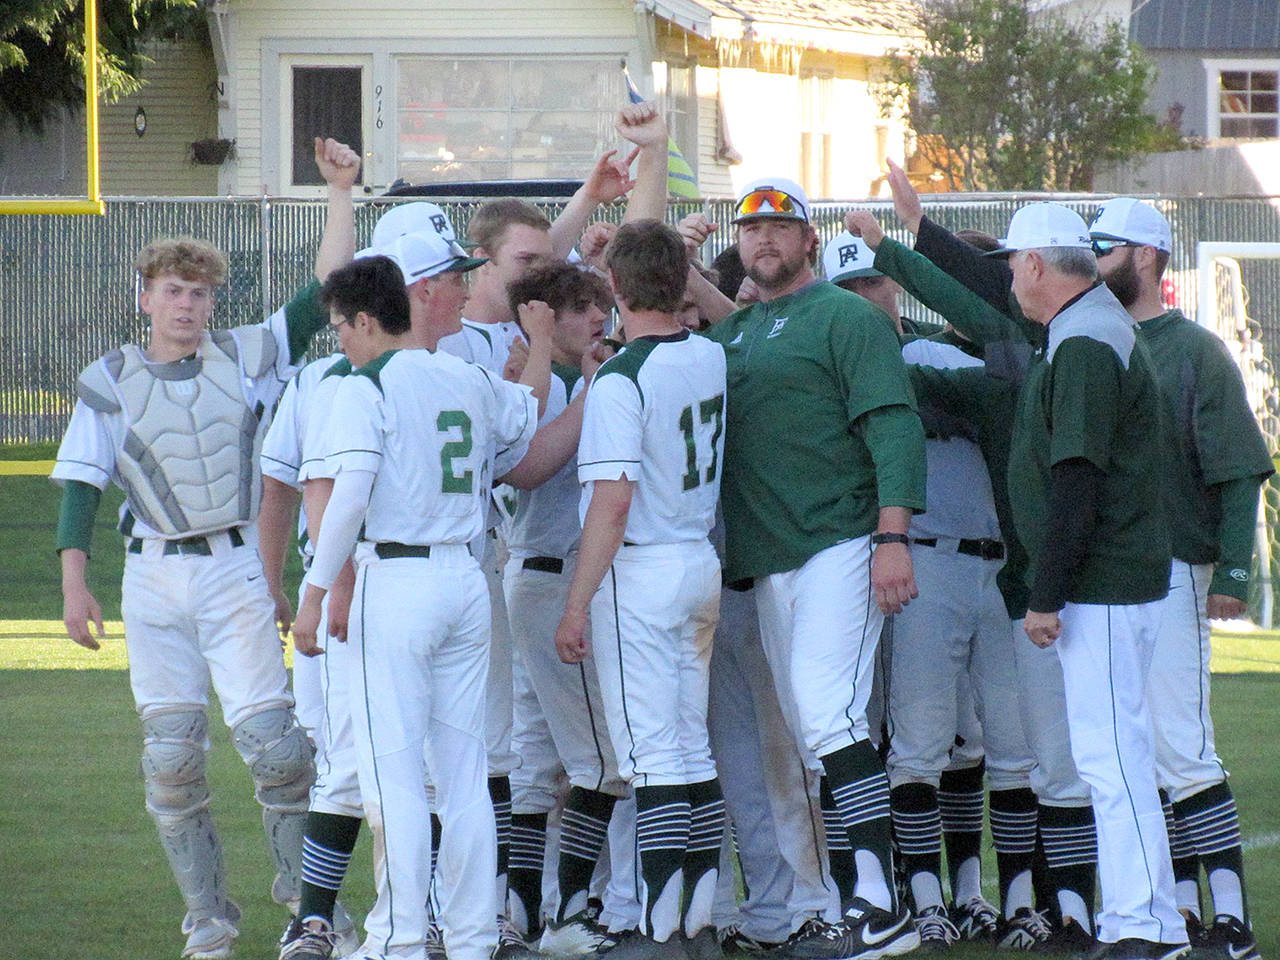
(609, 179)
(339, 165)
(642, 124)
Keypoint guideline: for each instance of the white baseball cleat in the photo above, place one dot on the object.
(577, 935)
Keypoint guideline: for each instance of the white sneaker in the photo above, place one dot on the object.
(347, 939)
(576, 936)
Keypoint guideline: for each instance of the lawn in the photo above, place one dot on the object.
(82, 874)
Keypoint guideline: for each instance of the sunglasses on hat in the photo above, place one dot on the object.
(1102, 247)
(779, 202)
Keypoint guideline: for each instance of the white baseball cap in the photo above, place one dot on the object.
(1039, 225)
(1132, 221)
(416, 217)
(773, 197)
(421, 255)
(847, 257)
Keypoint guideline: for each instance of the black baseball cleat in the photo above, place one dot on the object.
(511, 945)
(976, 920)
(865, 932)
(733, 942)
(1227, 939)
(1025, 930)
(310, 939)
(937, 932)
(1067, 937)
(1134, 948)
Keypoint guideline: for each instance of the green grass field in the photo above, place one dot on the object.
(81, 872)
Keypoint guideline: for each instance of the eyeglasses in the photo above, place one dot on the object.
(1103, 247)
(335, 327)
(778, 202)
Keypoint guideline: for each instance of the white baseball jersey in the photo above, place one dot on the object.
(655, 415)
(434, 415)
(93, 439)
(283, 448)
(546, 518)
(488, 344)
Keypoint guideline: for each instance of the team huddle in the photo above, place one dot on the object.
(761, 580)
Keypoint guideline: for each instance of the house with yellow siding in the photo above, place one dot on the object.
(439, 90)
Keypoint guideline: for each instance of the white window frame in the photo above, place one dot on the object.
(1213, 105)
(378, 57)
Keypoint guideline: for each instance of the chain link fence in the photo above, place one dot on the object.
(68, 292)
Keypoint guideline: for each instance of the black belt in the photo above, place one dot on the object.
(984, 548)
(191, 546)
(544, 564)
(390, 550)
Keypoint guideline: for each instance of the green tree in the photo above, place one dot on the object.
(1003, 100)
(42, 51)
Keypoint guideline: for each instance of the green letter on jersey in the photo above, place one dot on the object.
(710, 409)
(450, 482)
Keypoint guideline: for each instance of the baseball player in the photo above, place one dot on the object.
(1216, 461)
(321, 926)
(1066, 834)
(950, 638)
(1087, 503)
(543, 545)
(419, 622)
(649, 460)
(194, 599)
(823, 450)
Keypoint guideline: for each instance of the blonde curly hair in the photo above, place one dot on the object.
(191, 259)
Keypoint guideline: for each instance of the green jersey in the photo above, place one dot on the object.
(821, 428)
(1211, 436)
(1092, 394)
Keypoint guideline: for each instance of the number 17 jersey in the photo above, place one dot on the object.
(655, 415)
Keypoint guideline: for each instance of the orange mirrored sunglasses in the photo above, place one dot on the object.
(778, 201)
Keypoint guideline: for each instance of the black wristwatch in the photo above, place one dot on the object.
(879, 538)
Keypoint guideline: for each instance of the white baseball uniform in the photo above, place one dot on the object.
(412, 436)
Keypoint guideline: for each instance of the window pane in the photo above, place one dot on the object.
(1234, 103)
(1263, 103)
(326, 103)
(454, 83)
(567, 85)
(1234, 127)
(1262, 127)
(1234, 80)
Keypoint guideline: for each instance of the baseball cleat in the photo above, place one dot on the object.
(1228, 938)
(865, 932)
(976, 920)
(344, 929)
(1067, 937)
(734, 941)
(1023, 931)
(511, 945)
(435, 941)
(703, 945)
(577, 935)
(211, 938)
(936, 930)
(309, 939)
(1133, 948)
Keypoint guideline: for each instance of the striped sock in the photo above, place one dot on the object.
(861, 791)
(662, 836)
(960, 801)
(702, 857)
(500, 797)
(326, 854)
(1186, 865)
(1071, 855)
(524, 871)
(584, 829)
(1213, 828)
(839, 853)
(917, 825)
(1013, 833)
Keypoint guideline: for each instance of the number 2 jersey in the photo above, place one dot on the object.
(430, 427)
(655, 415)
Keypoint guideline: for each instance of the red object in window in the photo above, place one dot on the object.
(1168, 292)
